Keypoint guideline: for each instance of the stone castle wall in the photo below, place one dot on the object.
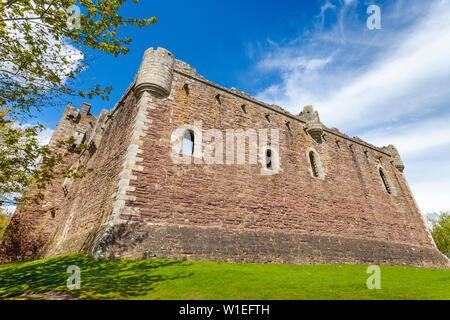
(138, 203)
(33, 225)
(89, 200)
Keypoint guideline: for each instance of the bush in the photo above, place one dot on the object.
(440, 230)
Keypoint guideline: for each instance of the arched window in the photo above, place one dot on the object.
(314, 165)
(187, 145)
(385, 181)
(269, 159)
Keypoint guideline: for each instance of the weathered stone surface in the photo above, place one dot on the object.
(155, 73)
(130, 241)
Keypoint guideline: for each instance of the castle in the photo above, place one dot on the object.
(312, 196)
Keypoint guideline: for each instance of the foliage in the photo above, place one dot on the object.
(44, 45)
(174, 280)
(3, 223)
(440, 230)
(20, 151)
(36, 47)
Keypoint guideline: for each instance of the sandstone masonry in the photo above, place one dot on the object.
(336, 199)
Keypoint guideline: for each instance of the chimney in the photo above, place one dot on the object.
(85, 109)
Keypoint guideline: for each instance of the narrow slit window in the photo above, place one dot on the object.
(186, 88)
(187, 145)
(351, 148)
(313, 162)
(385, 182)
(269, 159)
(379, 159)
(217, 97)
(288, 125)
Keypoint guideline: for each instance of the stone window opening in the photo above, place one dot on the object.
(351, 148)
(385, 181)
(187, 144)
(244, 108)
(66, 185)
(338, 144)
(313, 162)
(288, 125)
(366, 153)
(267, 117)
(269, 159)
(316, 168)
(379, 159)
(186, 88)
(217, 97)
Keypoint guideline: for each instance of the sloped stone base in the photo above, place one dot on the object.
(138, 241)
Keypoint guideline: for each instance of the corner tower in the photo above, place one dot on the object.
(155, 73)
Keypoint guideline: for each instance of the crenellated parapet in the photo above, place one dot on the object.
(74, 123)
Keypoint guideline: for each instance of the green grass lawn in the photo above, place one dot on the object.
(170, 279)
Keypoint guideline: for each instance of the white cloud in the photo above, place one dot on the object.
(45, 136)
(428, 199)
(388, 86)
(415, 60)
(414, 137)
(7, 210)
(288, 63)
(349, 2)
(327, 5)
(61, 57)
(389, 90)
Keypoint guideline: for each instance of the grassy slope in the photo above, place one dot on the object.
(167, 279)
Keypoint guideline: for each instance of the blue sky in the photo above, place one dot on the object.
(386, 86)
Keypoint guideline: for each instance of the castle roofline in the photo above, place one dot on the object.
(185, 70)
(180, 68)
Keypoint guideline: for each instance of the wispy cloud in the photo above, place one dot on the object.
(327, 5)
(358, 84)
(60, 56)
(45, 136)
(413, 137)
(387, 86)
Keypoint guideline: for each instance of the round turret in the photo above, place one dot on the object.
(313, 125)
(155, 73)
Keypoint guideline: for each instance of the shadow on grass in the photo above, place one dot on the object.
(100, 279)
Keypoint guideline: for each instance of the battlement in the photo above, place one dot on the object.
(74, 123)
